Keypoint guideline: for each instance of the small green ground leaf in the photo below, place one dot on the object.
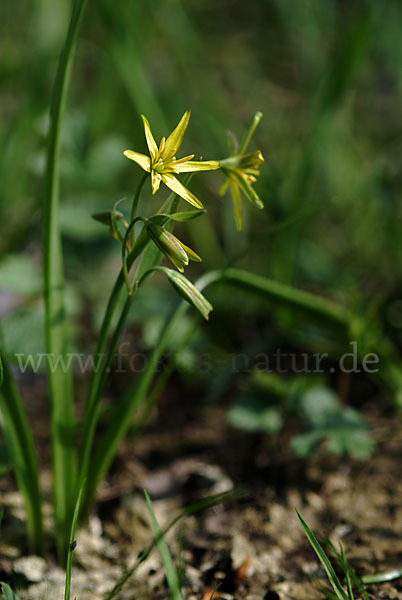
(255, 414)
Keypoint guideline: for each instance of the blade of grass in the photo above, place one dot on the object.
(71, 546)
(346, 567)
(60, 384)
(170, 570)
(187, 511)
(20, 443)
(347, 570)
(336, 584)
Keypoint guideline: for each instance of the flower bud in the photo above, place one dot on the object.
(189, 292)
(172, 248)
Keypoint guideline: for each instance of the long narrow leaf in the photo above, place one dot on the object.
(60, 384)
(347, 570)
(71, 546)
(192, 509)
(21, 449)
(336, 584)
(170, 570)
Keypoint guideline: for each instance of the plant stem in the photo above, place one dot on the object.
(71, 546)
(108, 443)
(93, 413)
(60, 384)
(136, 198)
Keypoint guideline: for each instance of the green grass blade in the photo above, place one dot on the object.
(187, 511)
(71, 546)
(333, 315)
(324, 589)
(295, 298)
(334, 581)
(347, 570)
(60, 384)
(170, 570)
(358, 583)
(214, 591)
(20, 443)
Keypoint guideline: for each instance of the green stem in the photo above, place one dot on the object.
(93, 397)
(60, 384)
(124, 245)
(249, 134)
(141, 243)
(136, 200)
(20, 444)
(71, 546)
(93, 414)
(107, 445)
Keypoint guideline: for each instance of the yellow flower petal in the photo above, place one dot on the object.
(155, 181)
(247, 189)
(140, 159)
(194, 165)
(152, 147)
(179, 189)
(175, 139)
(190, 253)
(176, 263)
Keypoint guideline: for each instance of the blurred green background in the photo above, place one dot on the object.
(328, 77)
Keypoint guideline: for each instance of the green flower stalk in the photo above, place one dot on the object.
(241, 172)
(163, 165)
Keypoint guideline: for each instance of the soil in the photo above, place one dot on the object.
(252, 545)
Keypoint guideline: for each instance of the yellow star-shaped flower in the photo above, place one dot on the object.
(241, 172)
(163, 165)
